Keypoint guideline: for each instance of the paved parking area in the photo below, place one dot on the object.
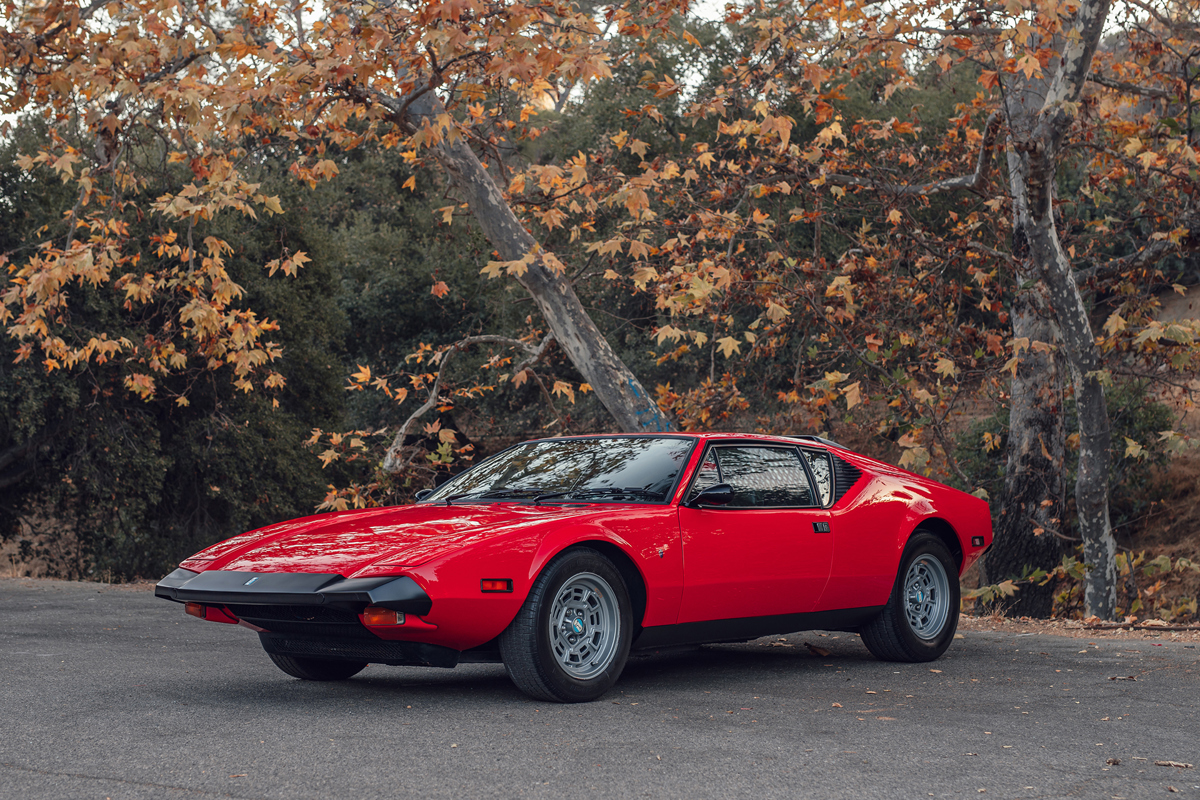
(107, 692)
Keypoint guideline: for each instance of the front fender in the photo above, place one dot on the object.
(467, 617)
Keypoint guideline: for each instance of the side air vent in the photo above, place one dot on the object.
(846, 476)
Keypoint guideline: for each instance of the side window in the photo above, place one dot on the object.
(765, 477)
(818, 462)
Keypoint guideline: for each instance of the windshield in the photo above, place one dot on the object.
(619, 469)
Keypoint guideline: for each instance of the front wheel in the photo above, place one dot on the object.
(570, 640)
(921, 616)
(318, 669)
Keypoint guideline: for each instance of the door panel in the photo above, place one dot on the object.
(752, 562)
(768, 551)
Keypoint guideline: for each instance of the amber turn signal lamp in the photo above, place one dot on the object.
(496, 585)
(374, 615)
(195, 609)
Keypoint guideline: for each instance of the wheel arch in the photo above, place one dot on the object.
(944, 531)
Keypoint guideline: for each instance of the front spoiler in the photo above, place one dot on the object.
(219, 587)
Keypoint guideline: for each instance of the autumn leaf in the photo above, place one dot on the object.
(946, 367)
(1133, 449)
(439, 289)
(728, 346)
(852, 395)
(563, 388)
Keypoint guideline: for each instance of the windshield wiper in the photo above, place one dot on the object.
(494, 493)
(613, 491)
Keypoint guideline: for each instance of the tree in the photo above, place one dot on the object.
(217, 89)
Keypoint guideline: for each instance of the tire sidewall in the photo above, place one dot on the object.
(556, 575)
(923, 543)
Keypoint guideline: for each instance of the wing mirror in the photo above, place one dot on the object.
(716, 495)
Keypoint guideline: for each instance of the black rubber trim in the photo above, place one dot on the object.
(845, 476)
(745, 628)
(396, 654)
(294, 588)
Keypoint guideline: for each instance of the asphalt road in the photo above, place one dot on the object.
(111, 693)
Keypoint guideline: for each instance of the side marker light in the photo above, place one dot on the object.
(976, 541)
(374, 615)
(495, 585)
(195, 609)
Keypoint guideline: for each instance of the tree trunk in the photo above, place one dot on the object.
(1039, 117)
(631, 406)
(1033, 477)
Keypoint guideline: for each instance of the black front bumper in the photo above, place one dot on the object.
(220, 587)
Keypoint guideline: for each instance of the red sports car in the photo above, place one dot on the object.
(558, 557)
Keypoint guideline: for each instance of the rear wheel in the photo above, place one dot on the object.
(570, 640)
(318, 669)
(921, 616)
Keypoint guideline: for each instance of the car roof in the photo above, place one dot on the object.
(704, 435)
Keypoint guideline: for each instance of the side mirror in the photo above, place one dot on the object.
(421, 495)
(716, 495)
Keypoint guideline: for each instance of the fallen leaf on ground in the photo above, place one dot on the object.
(1112, 762)
(1179, 764)
(1123, 678)
(817, 651)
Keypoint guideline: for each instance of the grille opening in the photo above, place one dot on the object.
(309, 620)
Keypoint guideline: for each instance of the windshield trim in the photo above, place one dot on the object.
(669, 497)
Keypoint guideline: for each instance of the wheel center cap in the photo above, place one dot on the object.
(577, 625)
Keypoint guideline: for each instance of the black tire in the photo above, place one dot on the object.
(583, 655)
(318, 669)
(921, 615)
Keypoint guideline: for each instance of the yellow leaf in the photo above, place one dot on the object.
(410, 184)
(853, 395)
(728, 346)
(1115, 324)
(776, 312)
(834, 378)
(564, 388)
(1132, 448)
(363, 375)
(1029, 65)
(895, 217)
(945, 367)
(447, 213)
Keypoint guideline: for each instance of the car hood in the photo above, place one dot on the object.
(345, 543)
